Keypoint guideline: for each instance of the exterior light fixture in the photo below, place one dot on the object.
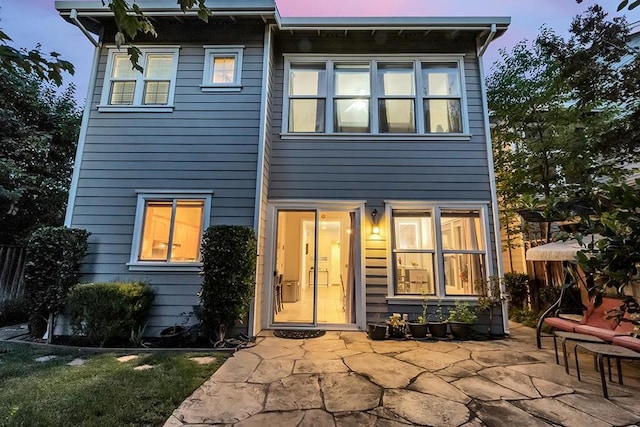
(374, 220)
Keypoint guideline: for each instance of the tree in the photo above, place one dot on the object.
(623, 4)
(38, 134)
(554, 104)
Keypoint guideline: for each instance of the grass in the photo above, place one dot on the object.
(102, 392)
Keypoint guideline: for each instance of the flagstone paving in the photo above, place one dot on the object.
(344, 379)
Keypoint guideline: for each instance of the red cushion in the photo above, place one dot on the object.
(602, 333)
(628, 342)
(597, 316)
(561, 324)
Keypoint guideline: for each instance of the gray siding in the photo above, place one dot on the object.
(209, 142)
(382, 169)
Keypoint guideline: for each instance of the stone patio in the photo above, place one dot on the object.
(345, 379)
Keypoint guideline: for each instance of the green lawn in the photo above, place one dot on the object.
(102, 392)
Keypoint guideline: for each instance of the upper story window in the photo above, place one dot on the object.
(392, 95)
(222, 68)
(126, 88)
(168, 229)
(438, 251)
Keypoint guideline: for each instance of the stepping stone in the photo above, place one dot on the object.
(559, 413)
(550, 389)
(600, 407)
(143, 367)
(429, 360)
(431, 384)
(483, 389)
(356, 419)
(221, 403)
(423, 409)
(324, 345)
(43, 359)
(503, 358)
(513, 380)
(123, 359)
(385, 371)
(271, 352)
(294, 392)
(315, 418)
(76, 362)
(385, 415)
(319, 367)
(203, 360)
(292, 418)
(349, 392)
(500, 413)
(269, 371)
(322, 355)
(237, 369)
(173, 422)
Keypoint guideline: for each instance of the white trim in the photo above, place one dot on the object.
(137, 104)
(82, 137)
(142, 196)
(372, 60)
(438, 252)
(494, 196)
(210, 53)
(254, 321)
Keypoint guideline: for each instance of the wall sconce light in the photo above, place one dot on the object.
(374, 220)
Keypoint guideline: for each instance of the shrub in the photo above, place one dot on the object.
(107, 312)
(228, 276)
(54, 255)
(14, 311)
(524, 316)
(517, 285)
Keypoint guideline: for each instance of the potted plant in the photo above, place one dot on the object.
(378, 330)
(438, 327)
(418, 329)
(397, 326)
(461, 319)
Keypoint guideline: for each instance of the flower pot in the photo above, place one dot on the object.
(418, 330)
(438, 329)
(376, 331)
(397, 331)
(461, 331)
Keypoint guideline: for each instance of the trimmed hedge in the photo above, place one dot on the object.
(228, 276)
(108, 312)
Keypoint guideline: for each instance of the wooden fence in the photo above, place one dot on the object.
(12, 261)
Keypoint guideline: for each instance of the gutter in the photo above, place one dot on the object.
(492, 34)
(73, 16)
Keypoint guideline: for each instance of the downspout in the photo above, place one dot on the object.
(73, 190)
(74, 17)
(492, 175)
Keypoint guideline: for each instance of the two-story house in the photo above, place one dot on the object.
(358, 149)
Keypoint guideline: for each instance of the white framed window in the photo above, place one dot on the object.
(222, 68)
(168, 229)
(400, 95)
(438, 249)
(127, 89)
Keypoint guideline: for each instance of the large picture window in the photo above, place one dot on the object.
(374, 96)
(438, 251)
(168, 229)
(154, 87)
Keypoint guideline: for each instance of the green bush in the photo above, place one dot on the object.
(13, 312)
(109, 312)
(228, 276)
(524, 316)
(517, 285)
(54, 256)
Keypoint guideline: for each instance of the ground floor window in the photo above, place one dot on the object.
(438, 250)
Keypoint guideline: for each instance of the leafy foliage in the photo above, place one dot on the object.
(107, 312)
(462, 312)
(13, 311)
(38, 134)
(558, 133)
(517, 285)
(54, 255)
(47, 67)
(228, 276)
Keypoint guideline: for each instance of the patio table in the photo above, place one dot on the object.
(571, 336)
(610, 352)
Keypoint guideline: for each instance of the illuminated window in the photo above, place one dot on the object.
(127, 87)
(438, 251)
(222, 68)
(169, 229)
(441, 92)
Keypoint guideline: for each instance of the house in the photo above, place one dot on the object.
(358, 149)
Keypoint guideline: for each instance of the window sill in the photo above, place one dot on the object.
(135, 108)
(165, 266)
(378, 136)
(417, 299)
(220, 88)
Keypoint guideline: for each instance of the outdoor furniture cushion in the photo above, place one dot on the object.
(628, 342)
(602, 333)
(597, 316)
(561, 324)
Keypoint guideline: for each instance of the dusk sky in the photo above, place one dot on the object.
(29, 22)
